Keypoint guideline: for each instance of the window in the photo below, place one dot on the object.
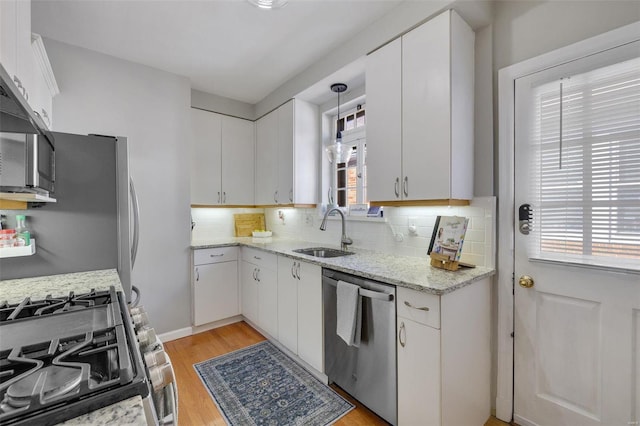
(351, 177)
(587, 165)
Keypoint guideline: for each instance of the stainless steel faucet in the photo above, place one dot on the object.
(344, 240)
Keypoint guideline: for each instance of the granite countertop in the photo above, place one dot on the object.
(129, 411)
(411, 272)
(14, 291)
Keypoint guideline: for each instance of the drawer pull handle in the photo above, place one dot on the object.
(256, 257)
(216, 255)
(424, 308)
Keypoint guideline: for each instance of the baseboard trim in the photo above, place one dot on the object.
(175, 334)
(215, 324)
(189, 331)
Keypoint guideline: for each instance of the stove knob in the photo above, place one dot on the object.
(161, 376)
(146, 337)
(157, 357)
(136, 310)
(140, 320)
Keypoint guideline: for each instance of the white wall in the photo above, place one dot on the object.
(303, 224)
(525, 29)
(105, 95)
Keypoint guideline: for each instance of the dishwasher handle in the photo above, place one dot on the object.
(377, 295)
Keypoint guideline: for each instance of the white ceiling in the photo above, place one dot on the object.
(225, 47)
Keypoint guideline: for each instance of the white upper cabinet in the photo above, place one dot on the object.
(23, 56)
(238, 144)
(222, 159)
(420, 114)
(206, 178)
(44, 84)
(287, 155)
(266, 159)
(384, 122)
(15, 44)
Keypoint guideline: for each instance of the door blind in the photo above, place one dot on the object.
(586, 167)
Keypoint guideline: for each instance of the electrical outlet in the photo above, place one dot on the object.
(413, 229)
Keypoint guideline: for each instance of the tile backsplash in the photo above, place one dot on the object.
(390, 235)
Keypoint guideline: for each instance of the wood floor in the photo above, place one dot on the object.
(196, 406)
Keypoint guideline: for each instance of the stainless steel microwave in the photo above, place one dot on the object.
(27, 163)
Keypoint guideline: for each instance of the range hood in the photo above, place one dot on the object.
(16, 116)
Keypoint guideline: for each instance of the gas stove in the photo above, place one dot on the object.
(61, 357)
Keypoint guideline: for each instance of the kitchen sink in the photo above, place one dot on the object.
(322, 252)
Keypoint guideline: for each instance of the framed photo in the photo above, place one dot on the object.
(448, 236)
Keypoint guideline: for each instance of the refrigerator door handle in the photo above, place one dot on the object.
(136, 222)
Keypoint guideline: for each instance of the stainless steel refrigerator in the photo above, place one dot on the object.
(94, 223)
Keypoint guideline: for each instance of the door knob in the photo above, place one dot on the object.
(526, 281)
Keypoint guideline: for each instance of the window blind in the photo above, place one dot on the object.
(586, 166)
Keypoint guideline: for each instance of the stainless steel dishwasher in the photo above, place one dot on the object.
(368, 372)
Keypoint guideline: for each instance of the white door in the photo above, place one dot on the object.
(577, 164)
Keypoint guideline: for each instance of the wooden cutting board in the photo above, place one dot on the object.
(246, 223)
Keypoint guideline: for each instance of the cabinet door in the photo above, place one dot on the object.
(288, 303)
(205, 157)
(268, 300)
(310, 318)
(285, 153)
(215, 292)
(266, 180)
(306, 151)
(24, 54)
(8, 34)
(418, 374)
(237, 161)
(249, 287)
(426, 101)
(384, 121)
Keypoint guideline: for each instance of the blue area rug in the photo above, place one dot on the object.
(260, 385)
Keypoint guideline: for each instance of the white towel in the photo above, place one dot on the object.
(349, 313)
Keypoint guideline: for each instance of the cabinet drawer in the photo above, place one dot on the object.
(260, 258)
(215, 255)
(409, 302)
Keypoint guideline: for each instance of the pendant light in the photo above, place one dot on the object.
(338, 152)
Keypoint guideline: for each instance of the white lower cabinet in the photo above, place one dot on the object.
(288, 303)
(300, 310)
(310, 316)
(418, 373)
(215, 284)
(260, 289)
(249, 290)
(444, 357)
